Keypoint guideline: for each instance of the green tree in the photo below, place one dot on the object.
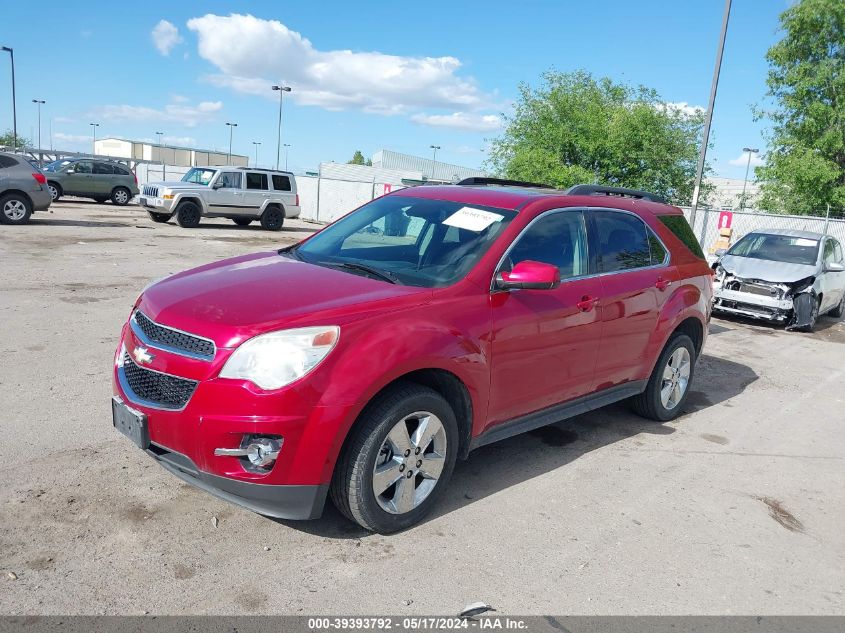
(7, 140)
(575, 128)
(358, 159)
(805, 165)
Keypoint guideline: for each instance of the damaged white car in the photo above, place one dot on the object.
(789, 277)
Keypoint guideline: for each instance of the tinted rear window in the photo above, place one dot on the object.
(103, 168)
(622, 241)
(683, 231)
(281, 183)
(256, 181)
(7, 161)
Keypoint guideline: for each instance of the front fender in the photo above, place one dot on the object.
(195, 197)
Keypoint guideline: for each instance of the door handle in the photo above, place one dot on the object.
(587, 303)
(662, 284)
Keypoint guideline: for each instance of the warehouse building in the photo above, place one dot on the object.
(431, 170)
(167, 154)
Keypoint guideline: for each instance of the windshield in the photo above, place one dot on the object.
(777, 248)
(412, 241)
(56, 165)
(199, 176)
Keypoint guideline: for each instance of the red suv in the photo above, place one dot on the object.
(365, 360)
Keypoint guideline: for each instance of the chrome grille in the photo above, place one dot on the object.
(150, 191)
(146, 386)
(172, 340)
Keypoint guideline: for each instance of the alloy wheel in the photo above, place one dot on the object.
(14, 210)
(675, 378)
(410, 462)
(121, 197)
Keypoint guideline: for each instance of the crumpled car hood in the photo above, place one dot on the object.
(766, 270)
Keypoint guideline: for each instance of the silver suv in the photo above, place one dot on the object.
(239, 193)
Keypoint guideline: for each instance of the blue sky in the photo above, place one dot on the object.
(370, 75)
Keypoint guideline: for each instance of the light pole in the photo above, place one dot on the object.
(749, 151)
(282, 90)
(256, 143)
(14, 101)
(94, 127)
(161, 157)
(434, 159)
(39, 103)
(286, 146)
(707, 119)
(232, 126)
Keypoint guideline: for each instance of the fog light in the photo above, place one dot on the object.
(258, 451)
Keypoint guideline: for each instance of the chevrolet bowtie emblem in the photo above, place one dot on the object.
(142, 355)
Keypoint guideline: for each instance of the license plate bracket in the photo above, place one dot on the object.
(133, 424)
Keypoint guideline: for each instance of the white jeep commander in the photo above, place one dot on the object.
(241, 194)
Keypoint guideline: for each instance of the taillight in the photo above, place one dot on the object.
(297, 200)
(135, 177)
(40, 178)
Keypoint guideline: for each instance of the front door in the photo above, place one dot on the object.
(545, 342)
(81, 180)
(226, 196)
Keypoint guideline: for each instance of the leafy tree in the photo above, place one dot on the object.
(7, 140)
(805, 166)
(575, 128)
(358, 159)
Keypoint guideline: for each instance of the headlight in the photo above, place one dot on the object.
(277, 359)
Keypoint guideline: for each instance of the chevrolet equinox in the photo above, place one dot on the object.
(362, 362)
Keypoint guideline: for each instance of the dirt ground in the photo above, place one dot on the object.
(737, 507)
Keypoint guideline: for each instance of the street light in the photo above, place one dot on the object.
(434, 159)
(232, 126)
(39, 103)
(282, 90)
(14, 107)
(161, 157)
(286, 145)
(94, 127)
(256, 143)
(708, 118)
(749, 151)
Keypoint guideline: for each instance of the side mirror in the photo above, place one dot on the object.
(720, 252)
(529, 275)
(218, 185)
(835, 267)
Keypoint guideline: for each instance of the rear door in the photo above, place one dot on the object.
(831, 282)
(545, 342)
(103, 178)
(635, 279)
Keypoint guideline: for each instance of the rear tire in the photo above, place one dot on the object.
(242, 221)
(188, 215)
(121, 196)
(839, 310)
(670, 369)
(273, 219)
(353, 486)
(15, 209)
(159, 217)
(55, 190)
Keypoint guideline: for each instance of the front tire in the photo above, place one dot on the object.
(188, 215)
(121, 196)
(398, 460)
(669, 384)
(159, 217)
(15, 209)
(273, 219)
(839, 310)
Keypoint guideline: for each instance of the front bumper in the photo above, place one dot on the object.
(752, 305)
(156, 205)
(278, 501)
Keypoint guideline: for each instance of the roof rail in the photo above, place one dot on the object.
(594, 190)
(503, 182)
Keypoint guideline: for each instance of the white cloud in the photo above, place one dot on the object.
(187, 141)
(165, 36)
(742, 160)
(180, 113)
(684, 108)
(461, 121)
(72, 138)
(253, 53)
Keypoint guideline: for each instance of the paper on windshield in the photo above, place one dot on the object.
(472, 219)
(802, 241)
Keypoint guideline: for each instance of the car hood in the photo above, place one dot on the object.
(766, 270)
(235, 299)
(178, 184)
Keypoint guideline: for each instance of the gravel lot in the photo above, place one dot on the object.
(735, 508)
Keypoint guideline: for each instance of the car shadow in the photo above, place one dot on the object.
(496, 467)
(87, 223)
(254, 227)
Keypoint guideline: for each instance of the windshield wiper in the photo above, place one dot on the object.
(374, 272)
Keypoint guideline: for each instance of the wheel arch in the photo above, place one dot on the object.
(17, 192)
(190, 198)
(56, 184)
(274, 203)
